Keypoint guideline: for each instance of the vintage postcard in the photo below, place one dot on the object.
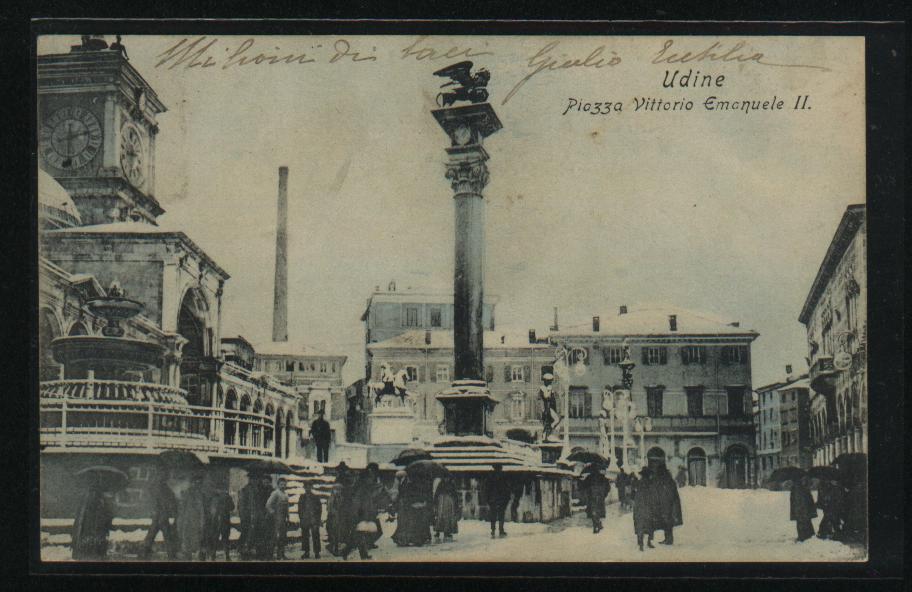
(491, 298)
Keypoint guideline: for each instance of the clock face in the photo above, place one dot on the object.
(132, 154)
(70, 138)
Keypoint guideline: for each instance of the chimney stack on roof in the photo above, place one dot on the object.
(532, 336)
(280, 297)
(555, 326)
(788, 370)
(595, 324)
(623, 309)
(427, 338)
(735, 324)
(673, 322)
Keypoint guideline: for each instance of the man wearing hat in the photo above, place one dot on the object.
(322, 435)
(277, 507)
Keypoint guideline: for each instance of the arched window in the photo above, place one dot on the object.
(279, 432)
(268, 432)
(257, 430)
(289, 430)
(244, 431)
(48, 331)
(696, 467)
(231, 403)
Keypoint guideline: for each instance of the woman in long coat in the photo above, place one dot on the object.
(667, 503)
(802, 509)
(413, 525)
(446, 509)
(191, 520)
(92, 525)
(644, 508)
(595, 489)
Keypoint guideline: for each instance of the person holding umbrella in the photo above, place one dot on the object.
(667, 502)
(95, 515)
(802, 508)
(414, 516)
(595, 487)
(191, 519)
(219, 506)
(164, 518)
(368, 499)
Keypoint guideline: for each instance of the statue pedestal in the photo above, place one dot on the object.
(392, 421)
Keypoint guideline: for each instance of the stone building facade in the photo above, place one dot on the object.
(769, 431)
(835, 316)
(514, 365)
(692, 379)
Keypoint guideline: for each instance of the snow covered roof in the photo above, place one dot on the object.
(138, 228)
(441, 339)
(417, 296)
(655, 320)
(52, 195)
(289, 348)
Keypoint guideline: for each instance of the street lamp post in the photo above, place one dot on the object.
(565, 355)
(628, 407)
(608, 408)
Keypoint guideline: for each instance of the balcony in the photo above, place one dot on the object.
(822, 375)
(109, 414)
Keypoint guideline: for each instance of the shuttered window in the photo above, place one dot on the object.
(653, 356)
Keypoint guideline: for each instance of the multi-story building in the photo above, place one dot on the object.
(130, 355)
(316, 377)
(835, 316)
(769, 431)
(692, 380)
(794, 413)
(514, 365)
(393, 312)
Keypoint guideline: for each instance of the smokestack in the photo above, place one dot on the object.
(595, 324)
(555, 326)
(788, 370)
(623, 309)
(532, 336)
(280, 302)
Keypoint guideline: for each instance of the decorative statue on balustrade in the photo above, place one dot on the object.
(550, 417)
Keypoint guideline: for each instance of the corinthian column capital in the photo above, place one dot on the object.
(467, 177)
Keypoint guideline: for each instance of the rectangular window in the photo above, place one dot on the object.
(489, 374)
(612, 356)
(654, 396)
(301, 366)
(436, 317)
(693, 354)
(580, 402)
(324, 367)
(734, 354)
(411, 316)
(517, 408)
(694, 401)
(412, 373)
(516, 374)
(443, 373)
(653, 356)
(289, 366)
(735, 401)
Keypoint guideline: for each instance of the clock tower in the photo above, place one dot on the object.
(96, 131)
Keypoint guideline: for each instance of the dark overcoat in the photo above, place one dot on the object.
(801, 504)
(667, 500)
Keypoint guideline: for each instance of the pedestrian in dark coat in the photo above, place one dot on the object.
(447, 511)
(622, 481)
(219, 507)
(191, 520)
(831, 501)
(498, 490)
(310, 515)
(595, 489)
(368, 499)
(92, 525)
(644, 508)
(164, 516)
(262, 523)
(667, 503)
(802, 509)
(340, 511)
(414, 514)
(322, 435)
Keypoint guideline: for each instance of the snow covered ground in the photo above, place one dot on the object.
(720, 525)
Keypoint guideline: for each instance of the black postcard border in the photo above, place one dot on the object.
(885, 68)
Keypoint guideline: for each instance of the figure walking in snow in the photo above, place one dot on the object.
(446, 509)
(644, 508)
(802, 508)
(92, 525)
(667, 503)
(595, 488)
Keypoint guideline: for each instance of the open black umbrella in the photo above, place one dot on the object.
(268, 466)
(108, 478)
(825, 473)
(853, 467)
(180, 459)
(589, 458)
(410, 455)
(426, 469)
(783, 474)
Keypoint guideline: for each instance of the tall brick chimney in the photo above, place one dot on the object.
(280, 301)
